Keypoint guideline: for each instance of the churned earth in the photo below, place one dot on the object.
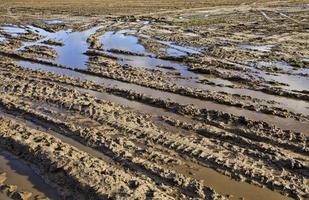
(169, 100)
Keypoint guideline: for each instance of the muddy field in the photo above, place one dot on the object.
(178, 100)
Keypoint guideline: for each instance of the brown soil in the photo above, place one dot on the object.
(169, 100)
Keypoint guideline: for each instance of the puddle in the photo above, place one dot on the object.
(187, 50)
(120, 41)
(75, 45)
(13, 30)
(280, 122)
(175, 53)
(294, 82)
(39, 31)
(303, 71)
(152, 63)
(2, 38)
(263, 48)
(21, 174)
(55, 21)
(278, 64)
(71, 54)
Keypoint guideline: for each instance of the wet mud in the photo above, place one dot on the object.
(185, 106)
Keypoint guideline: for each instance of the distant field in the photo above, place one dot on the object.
(99, 7)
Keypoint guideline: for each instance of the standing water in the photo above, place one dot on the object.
(75, 45)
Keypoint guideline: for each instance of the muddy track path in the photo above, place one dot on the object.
(64, 124)
(207, 103)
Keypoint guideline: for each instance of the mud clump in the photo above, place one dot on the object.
(40, 51)
(53, 42)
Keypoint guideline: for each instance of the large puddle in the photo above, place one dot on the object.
(123, 40)
(72, 52)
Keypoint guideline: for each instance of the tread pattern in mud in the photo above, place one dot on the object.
(109, 130)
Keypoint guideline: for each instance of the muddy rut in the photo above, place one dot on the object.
(189, 106)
